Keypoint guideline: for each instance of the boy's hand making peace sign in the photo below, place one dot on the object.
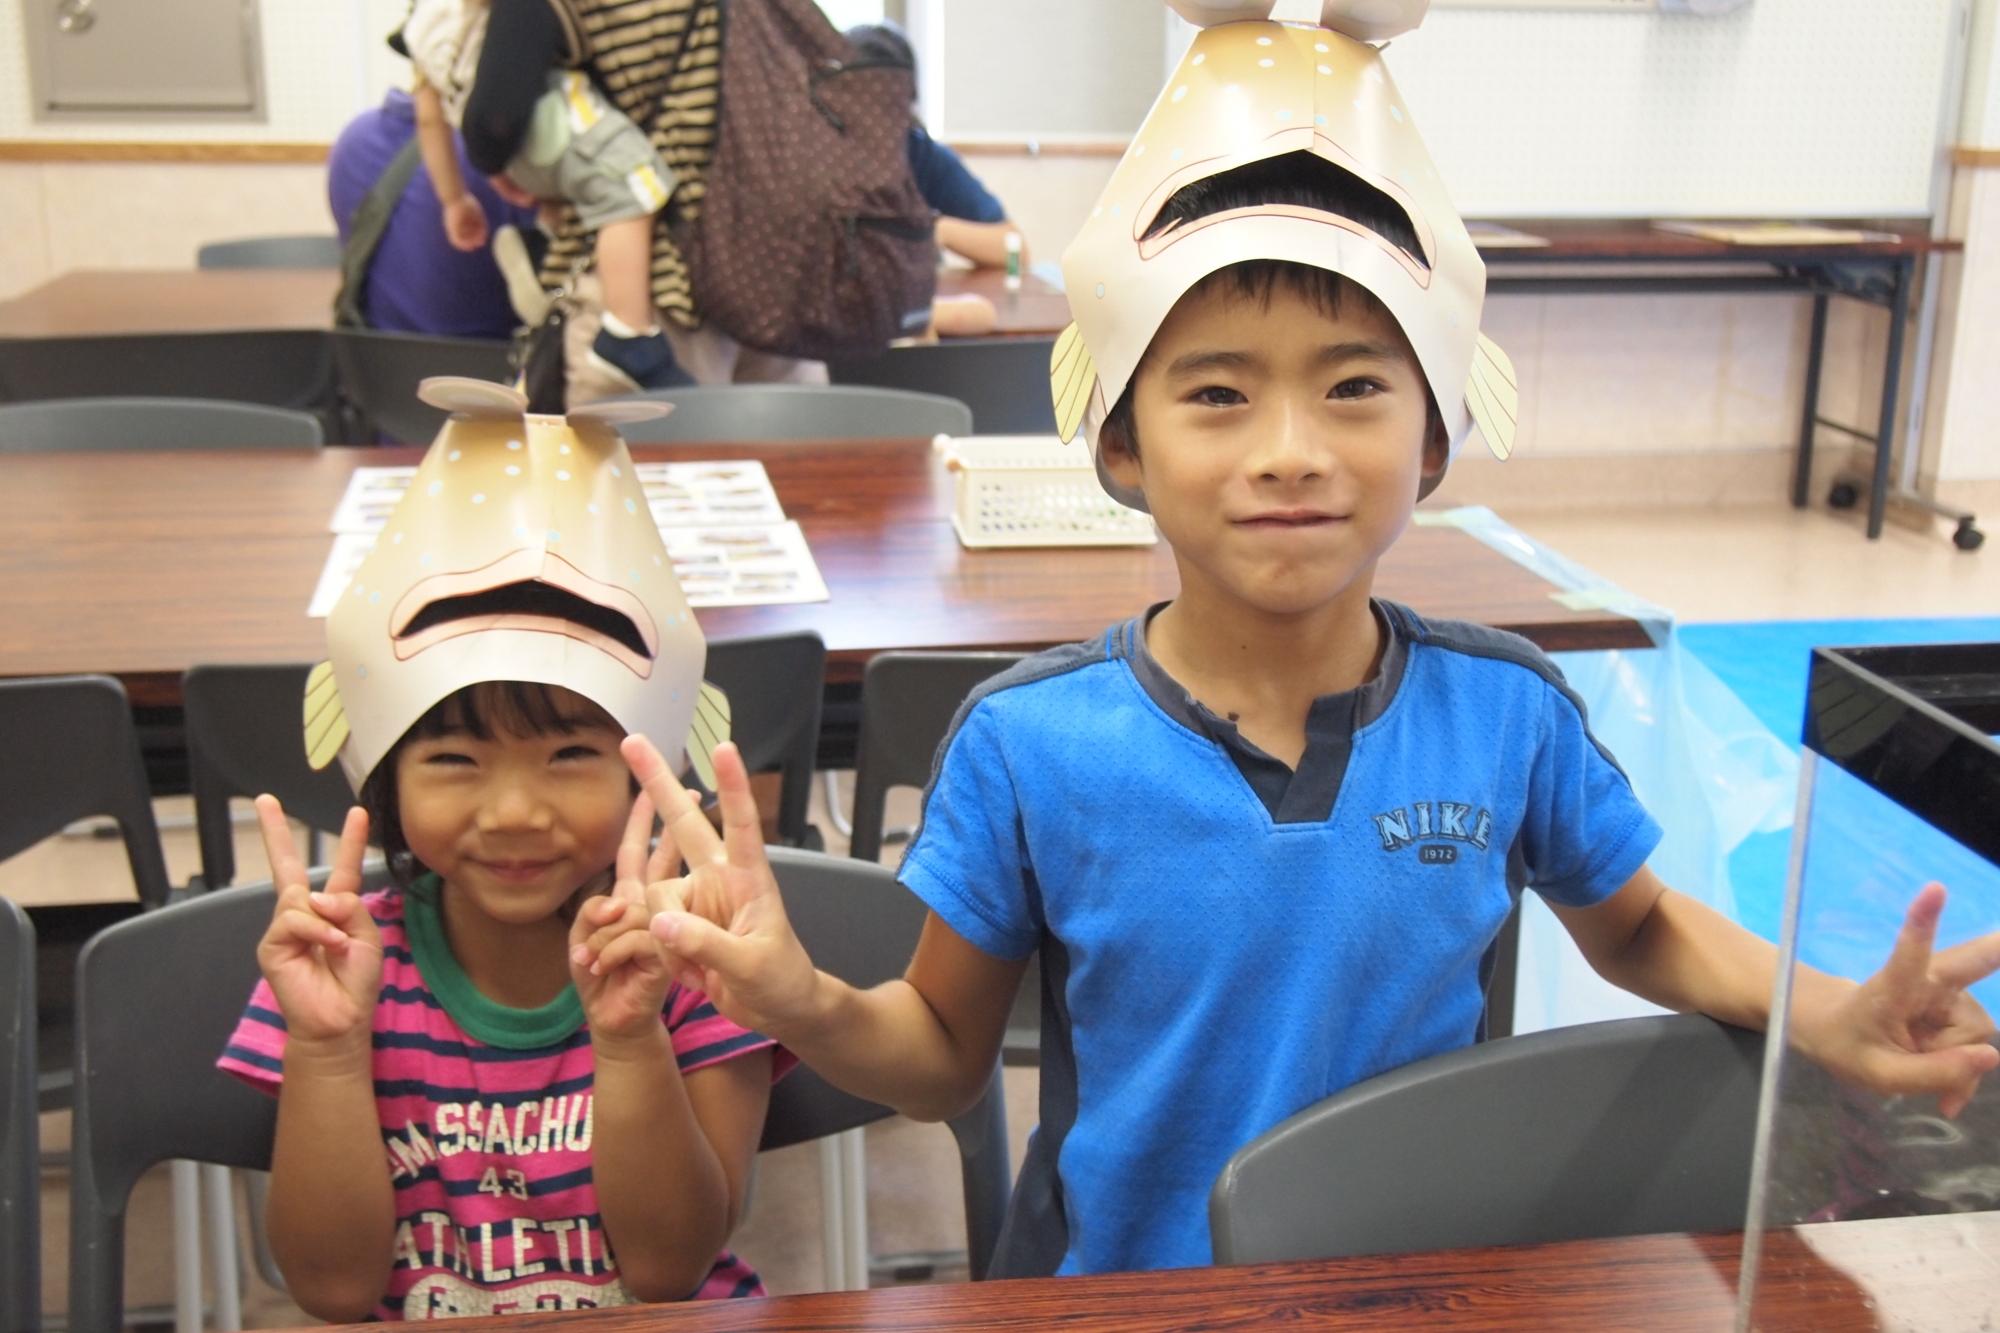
(721, 921)
(1911, 1028)
(322, 953)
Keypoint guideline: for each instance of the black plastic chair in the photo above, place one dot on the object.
(379, 373)
(271, 252)
(243, 738)
(1004, 381)
(860, 925)
(107, 424)
(1608, 1129)
(20, 1151)
(68, 751)
(158, 997)
(908, 701)
(750, 412)
(278, 368)
(774, 682)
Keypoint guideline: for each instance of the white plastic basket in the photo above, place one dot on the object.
(1034, 490)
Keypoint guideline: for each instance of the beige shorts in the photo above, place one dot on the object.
(582, 149)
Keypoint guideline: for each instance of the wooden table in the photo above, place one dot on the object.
(105, 302)
(1038, 310)
(101, 302)
(1928, 1273)
(144, 564)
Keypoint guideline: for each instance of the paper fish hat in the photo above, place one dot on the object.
(522, 550)
(1252, 87)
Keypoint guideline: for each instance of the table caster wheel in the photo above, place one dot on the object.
(1844, 495)
(1967, 537)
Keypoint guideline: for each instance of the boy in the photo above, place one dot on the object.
(1263, 837)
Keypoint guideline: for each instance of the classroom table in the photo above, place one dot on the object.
(143, 564)
(1926, 1272)
(106, 302)
(1637, 257)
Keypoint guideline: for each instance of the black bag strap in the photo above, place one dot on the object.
(364, 234)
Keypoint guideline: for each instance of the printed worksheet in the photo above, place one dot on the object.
(680, 494)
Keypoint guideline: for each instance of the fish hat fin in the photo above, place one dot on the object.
(467, 397)
(707, 729)
(1493, 397)
(325, 717)
(1072, 380)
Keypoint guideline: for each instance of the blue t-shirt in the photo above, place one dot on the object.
(1225, 941)
(417, 282)
(947, 184)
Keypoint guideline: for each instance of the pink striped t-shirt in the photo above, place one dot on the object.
(486, 1122)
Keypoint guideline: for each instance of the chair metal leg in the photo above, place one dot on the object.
(256, 1189)
(832, 1214)
(835, 804)
(854, 1218)
(186, 1178)
(219, 1200)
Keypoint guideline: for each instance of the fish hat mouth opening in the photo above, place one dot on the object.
(530, 591)
(1315, 169)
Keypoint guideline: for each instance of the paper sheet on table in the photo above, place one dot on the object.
(1773, 233)
(1495, 236)
(718, 564)
(678, 494)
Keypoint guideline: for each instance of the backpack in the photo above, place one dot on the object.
(812, 240)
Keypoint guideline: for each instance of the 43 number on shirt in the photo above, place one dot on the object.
(507, 1184)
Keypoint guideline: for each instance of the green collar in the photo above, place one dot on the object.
(480, 1018)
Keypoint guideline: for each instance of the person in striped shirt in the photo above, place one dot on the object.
(493, 1098)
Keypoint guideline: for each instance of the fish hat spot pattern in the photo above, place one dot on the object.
(510, 573)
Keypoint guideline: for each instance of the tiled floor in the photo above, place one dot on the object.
(1741, 562)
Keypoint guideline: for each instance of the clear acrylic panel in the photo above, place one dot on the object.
(1900, 786)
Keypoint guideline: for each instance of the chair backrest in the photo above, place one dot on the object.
(243, 738)
(1606, 1129)
(907, 703)
(280, 367)
(68, 750)
(751, 412)
(20, 1152)
(271, 252)
(774, 683)
(153, 423)
(860, 925)
(379, 373)
(157, 997)
(1004, 381)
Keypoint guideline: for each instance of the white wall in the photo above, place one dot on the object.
(1969, 430)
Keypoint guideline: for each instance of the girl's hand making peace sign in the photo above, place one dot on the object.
(620, 970)
(322, 953)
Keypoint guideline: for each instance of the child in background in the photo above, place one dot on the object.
(1264, 836)
(501, 72)
(492, 1096)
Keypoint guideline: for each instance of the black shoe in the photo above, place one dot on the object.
(647, 360)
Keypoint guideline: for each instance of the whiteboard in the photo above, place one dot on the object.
(1827, 108)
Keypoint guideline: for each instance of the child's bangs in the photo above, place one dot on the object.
(1258, 279)
(517, 708)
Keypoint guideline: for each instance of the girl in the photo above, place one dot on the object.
(470, 1119)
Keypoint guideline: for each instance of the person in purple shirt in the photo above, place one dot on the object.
(417, 283)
